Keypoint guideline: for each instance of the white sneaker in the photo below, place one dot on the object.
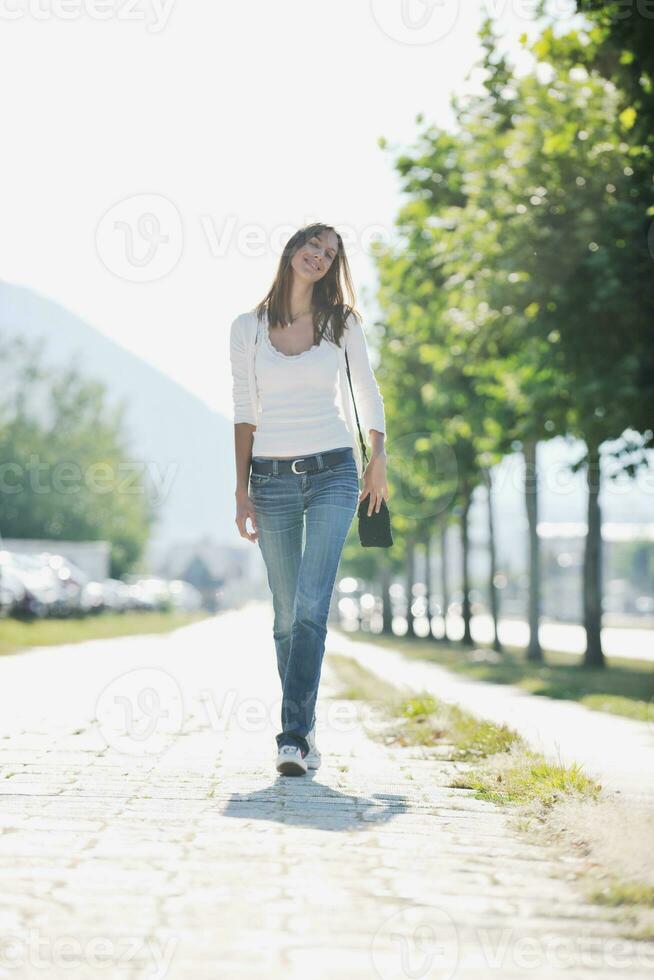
(313, 759)
(290, 761)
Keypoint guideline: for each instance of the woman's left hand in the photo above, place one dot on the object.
(374, 482)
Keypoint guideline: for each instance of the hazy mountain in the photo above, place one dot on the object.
(171, 431)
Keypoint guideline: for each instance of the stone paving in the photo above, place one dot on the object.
(144, 832)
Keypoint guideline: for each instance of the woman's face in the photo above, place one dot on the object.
(313, 259)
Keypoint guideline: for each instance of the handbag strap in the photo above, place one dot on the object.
(363, 447)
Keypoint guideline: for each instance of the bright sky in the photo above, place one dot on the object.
(156, 156)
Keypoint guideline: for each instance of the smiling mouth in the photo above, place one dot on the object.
(311, 264)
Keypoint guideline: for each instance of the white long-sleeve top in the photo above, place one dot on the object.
(300, 403)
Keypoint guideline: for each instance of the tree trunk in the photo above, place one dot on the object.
(493, 594)
(465, 554)
(593, 656)
(428, 589)
(534, 649)
(444, 583)
(410, 575)
(387, 611)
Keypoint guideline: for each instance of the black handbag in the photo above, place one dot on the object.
(374, 530)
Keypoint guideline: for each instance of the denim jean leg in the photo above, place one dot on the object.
(284, 579)
(283, 570)
(280, 522)
(331, 502)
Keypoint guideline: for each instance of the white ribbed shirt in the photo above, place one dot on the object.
(300, 403)
(297, 393)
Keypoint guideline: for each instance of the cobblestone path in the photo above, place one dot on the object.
(172, 848)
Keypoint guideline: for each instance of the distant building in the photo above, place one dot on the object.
(222, 573)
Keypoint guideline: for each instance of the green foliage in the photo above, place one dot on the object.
(618, 893)
(66, 470)
(530, 778)
(518, 295)
(621, 48)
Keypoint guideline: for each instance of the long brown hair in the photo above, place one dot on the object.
(328, 305)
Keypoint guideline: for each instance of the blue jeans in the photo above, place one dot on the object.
(302, 581)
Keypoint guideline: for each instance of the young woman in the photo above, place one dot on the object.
(288, 369)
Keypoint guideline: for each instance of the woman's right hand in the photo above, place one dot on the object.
(245, 509)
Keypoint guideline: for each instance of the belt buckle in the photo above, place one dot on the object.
(298, 460)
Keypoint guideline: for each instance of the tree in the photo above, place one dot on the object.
(66, 472)
(521, 281)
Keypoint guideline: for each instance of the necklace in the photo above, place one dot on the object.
(298, 315)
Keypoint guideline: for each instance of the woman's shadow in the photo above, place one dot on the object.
(302, 802)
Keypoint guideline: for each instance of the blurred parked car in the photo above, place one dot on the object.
(184, 596)
(12, 590)
(115, 594)
(40, 587)
(71, 581)
(49, 584)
